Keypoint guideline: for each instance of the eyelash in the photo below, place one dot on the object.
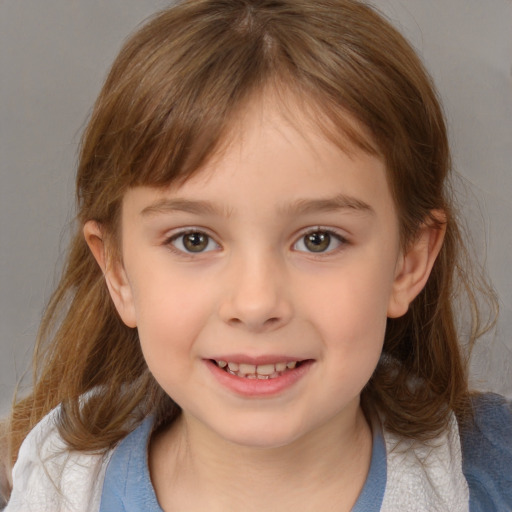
(331, 234)
(171, 242)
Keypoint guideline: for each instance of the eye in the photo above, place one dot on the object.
(318, 241)
(193, 242)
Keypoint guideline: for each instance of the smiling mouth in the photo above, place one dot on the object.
(261, 371)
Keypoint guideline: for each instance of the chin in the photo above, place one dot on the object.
(260, 436)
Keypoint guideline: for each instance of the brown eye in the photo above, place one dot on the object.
(193, 242)
(318, 241)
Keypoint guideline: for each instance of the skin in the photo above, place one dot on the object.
(258, 290)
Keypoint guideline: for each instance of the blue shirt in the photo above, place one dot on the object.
(486, 450)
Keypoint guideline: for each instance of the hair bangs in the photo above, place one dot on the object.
(174, 93)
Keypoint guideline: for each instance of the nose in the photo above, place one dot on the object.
(256, 295)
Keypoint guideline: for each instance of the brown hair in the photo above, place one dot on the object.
(167, 104)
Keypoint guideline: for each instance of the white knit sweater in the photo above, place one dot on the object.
(421, 477)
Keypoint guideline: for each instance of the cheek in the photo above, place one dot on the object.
(170, 314)
(353, 327)
(352, 305)
(349, 313)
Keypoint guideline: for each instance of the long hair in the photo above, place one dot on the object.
(166, 106)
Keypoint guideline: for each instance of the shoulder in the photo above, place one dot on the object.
(425, 475)
(127, 485)
(487, 454)
(49, 477)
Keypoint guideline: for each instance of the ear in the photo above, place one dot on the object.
(414, 267)
(114, 273)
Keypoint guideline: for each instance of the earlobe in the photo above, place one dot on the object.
(415, 266)
(113, 271)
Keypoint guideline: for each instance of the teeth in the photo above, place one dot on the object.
(251, 371)
(247, 369)
(265, 369)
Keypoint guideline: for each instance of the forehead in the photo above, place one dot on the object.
(278, 158)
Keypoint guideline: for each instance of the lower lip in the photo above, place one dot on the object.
(259, 387)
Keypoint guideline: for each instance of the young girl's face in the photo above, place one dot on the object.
(280, 258)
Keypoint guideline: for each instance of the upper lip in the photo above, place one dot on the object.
(256, 360)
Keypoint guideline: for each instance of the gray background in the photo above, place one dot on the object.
(54, 57)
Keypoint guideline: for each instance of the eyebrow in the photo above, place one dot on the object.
(197, 207)
(300, 206)
(338, 202)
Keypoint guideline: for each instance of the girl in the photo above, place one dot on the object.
(258, 310)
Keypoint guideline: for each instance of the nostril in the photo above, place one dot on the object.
(256, 325)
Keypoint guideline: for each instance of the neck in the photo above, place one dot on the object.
(326, 466)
